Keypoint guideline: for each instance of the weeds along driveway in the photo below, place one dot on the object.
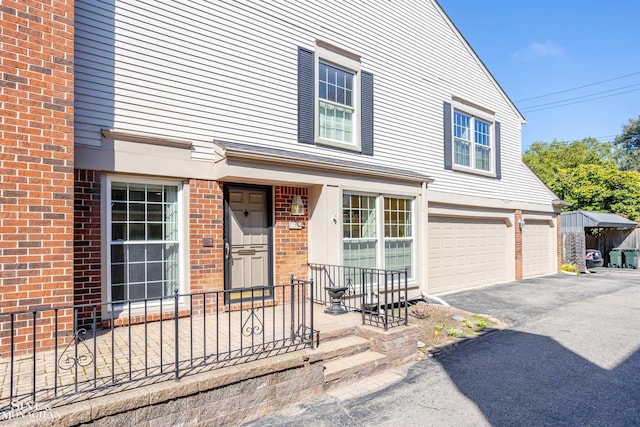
(571, 358)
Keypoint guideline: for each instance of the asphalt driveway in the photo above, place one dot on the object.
(571, 358)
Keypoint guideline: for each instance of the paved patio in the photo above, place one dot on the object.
(125, 357)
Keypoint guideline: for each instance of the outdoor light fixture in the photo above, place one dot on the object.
(297, 207)
(521, 223)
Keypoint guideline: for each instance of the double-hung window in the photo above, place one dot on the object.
(335, 99)
(336, 104)
(144, 239)
(471, 139)
(472, 142)
(377, 232)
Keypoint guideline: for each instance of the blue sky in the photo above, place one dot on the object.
(535, 48)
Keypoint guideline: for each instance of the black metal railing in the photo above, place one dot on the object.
(380, 295)
(94, 348)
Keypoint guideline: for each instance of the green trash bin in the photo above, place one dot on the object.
(630, 258)
(615, 258)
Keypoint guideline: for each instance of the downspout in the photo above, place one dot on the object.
(424, 206)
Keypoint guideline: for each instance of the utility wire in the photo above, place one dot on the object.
(578, 87)
(581, 97)
(579, 102)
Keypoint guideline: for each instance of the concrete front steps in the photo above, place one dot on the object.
(355, 353)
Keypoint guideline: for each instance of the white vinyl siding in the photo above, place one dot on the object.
(204, 71)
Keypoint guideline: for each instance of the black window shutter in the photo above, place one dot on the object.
(496, 127)
(448, 137)
(306, 96)
(366, 113)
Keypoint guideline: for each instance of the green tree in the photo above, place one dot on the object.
(600, 188)
(585, 173)
(546, 159)
(628, 146)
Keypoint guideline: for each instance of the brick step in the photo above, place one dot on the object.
(335, 333)
(350, 368)
(344, 346)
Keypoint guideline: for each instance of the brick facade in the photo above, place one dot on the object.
(36, 163)
(87, 250)
(517, 217)
(291, 245)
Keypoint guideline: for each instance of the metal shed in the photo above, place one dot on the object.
(583, 230)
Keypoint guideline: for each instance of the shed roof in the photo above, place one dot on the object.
(579, 220)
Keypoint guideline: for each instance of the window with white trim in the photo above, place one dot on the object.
(472, 142)
(144, 238)
(377, 232)
(336, 104)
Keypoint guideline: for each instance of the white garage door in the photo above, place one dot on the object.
(538, 249)
(465, 252)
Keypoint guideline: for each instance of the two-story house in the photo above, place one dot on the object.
(225, 145)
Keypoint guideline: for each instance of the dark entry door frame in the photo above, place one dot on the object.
(228, 259)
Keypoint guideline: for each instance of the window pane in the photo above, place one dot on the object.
(154, 271)
(461, 126)
(118, 231)
(336, 123)
(136, 192)
(144, 212)
(137, 291)
(137, 273)
(154, 252)
(154, 193)
(398, 254)
(483, 159)
(136, 253)
(154, 212)
(118, 211)
(482, 133)
(118, 191)
(117, 253)
(360, 254)
(117, 274)
(462, 154)
(118, 293)
(136, 231)
(154, 232)
(155, 290)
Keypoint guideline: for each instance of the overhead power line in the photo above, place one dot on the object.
(584, 100)
(563, 101)
(578, 87)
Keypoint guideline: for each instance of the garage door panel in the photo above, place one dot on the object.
(538, 249)
(467, 252)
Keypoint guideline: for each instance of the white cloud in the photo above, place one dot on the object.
(538, 50)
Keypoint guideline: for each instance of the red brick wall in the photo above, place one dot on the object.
(517, 217)
(87, 250)
(291, 246)
(206, 217)
(36, 161)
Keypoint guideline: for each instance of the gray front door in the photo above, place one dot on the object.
(248, 240)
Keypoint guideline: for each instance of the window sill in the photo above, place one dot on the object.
(339, 145)
(471, 171)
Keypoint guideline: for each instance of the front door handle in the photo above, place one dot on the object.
(226, 250)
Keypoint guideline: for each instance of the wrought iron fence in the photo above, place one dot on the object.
(380, 295)
(129, 343)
